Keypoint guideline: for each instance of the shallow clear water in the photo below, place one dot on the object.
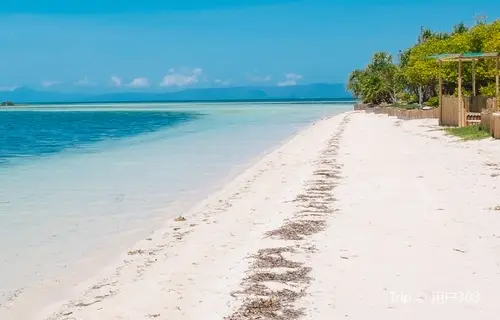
(77, 180)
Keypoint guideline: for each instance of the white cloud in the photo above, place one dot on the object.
(85, 82)
(9, 88)
(222, 82)
(181, 77)
(265, 78)
(117, 82)
(138, 83)
(290, 80)
(49, 83)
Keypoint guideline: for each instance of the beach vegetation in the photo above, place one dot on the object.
(379, 82)
(488, 90)
(474, 132)
(7, 104)
(407, 97)
(432, 102)
(414, 76)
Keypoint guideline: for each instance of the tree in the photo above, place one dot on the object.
(379, 82)
(355, 83)
(459, 28)
(417, 74)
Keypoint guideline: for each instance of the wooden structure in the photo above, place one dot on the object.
(401, 113)
(464, 117)
(490, 121)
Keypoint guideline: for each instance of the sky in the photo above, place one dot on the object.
(160, 45)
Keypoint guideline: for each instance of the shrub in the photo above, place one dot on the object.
(432, 102)
(406, 97)
(465, 93)
(488, 91)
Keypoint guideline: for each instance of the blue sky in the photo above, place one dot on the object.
(106, 45)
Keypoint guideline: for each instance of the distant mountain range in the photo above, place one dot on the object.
(311, 91)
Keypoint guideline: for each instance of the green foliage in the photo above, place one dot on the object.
(7, 104)
(432, 102)
(385, 81)
(465, 93)
(356, 82)
(406, 97)
(459, 28)
(489, 90)
(474, 132)
(379, 82)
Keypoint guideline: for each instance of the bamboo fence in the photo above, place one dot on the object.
(404, 113)
(490, 121)
(449, 112)
(477, 110)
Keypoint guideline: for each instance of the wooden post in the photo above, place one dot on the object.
(460, 109)
(473, 78)
(495, 125)
(498, 82)
(440, 93)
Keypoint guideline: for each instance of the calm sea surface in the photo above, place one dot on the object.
(77, 181)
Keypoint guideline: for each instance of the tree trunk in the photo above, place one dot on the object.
(420, 96)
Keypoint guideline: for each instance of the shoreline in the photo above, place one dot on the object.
(30, 105)
(173, 246)
(24, 301)
(352, 216)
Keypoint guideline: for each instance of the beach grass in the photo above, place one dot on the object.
(474, 132)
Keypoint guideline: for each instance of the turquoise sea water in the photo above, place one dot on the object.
(39, 133)
(82, 182)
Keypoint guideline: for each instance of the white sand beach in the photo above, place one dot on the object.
(357, 217)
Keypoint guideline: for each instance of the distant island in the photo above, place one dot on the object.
(269, 93)
(7, 104)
